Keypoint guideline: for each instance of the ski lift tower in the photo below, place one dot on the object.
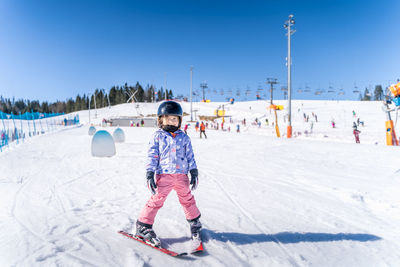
(288, 24)
(203, 86)
(271, 82)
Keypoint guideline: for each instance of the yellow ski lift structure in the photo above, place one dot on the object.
(275, 108)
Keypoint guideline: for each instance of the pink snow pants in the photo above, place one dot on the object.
(165, 183)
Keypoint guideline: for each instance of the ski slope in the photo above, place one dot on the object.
(316, 200)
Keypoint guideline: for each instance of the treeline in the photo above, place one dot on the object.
(100, 98)
(377, 95)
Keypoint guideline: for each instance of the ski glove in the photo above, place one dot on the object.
(194, 178)
(151, 184)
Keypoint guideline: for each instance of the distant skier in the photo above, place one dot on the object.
(186, 127)
(237, 128)
(203, 129)
(171, 172)
(197, 126)
(142, 123)
(3, 138)
(357, 135)
(266, 122)
(354, 113)
(333, 124)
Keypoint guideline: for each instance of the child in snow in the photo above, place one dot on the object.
(356, 133)
(170, 157)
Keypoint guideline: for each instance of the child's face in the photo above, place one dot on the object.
(171, 120)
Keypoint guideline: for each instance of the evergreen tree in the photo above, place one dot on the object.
(116, 95)
(45, 107)
(367, 95)
(378, 93)
(70, 106)
(160, 95)
(170, 94)
(78, 103)
(149, 93)
(113, 95)
(140, 95)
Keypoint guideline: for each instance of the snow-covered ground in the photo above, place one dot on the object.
(316, 200)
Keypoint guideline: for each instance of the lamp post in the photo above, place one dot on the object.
(165, 85)
(191, 93)
(89, 107)
(95, 107)
(288, 24)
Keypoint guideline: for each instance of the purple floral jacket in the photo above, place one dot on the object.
(168, 154)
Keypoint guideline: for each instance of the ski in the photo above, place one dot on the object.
(161, 249)
(198, 249)
(197, 245)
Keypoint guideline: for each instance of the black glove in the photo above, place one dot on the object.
(151, 184)
(194, 178)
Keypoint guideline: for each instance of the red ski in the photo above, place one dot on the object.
(163, 250)
(198, 249)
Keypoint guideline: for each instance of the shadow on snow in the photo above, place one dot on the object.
(285, 237)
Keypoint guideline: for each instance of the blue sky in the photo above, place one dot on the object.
(53, 50)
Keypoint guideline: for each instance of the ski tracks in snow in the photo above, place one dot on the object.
(290, 258)
(55, 249)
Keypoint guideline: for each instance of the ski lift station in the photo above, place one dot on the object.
(133, 121)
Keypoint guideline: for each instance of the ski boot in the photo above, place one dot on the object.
(145, 232)
(195, 228)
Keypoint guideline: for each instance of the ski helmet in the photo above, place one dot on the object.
(169, 108)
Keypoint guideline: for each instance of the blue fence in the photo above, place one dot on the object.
(15, 128)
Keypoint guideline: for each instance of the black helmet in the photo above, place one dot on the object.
(169, 108)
